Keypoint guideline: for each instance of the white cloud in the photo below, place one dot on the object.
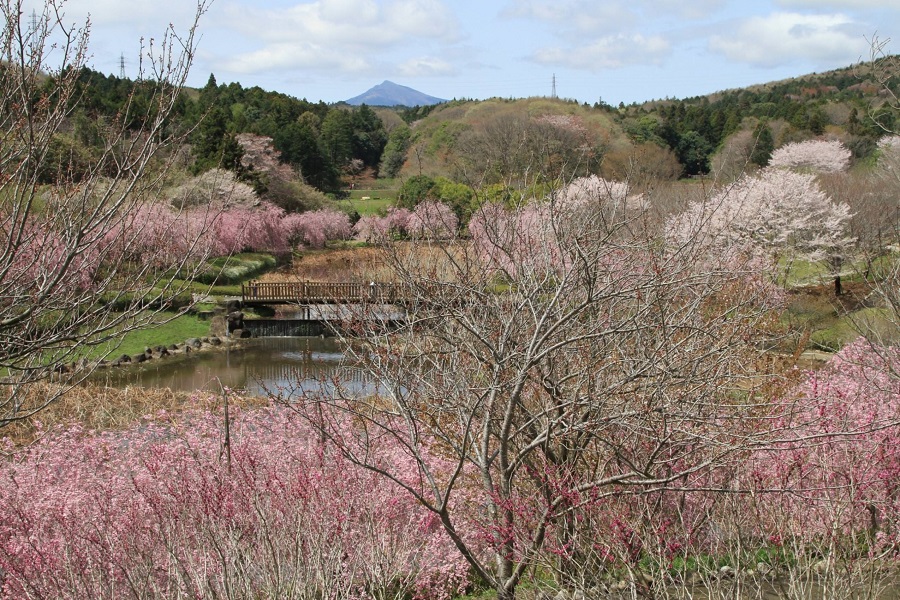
(610, 52)
(297, 56)
(427, 66)
(609, 15)
(692, 9)
(784, 37)
(833, 4)
(574, 15)
(346, 35)
(141, 14)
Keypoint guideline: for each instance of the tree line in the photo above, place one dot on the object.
(322, 142)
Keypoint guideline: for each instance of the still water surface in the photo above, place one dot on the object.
(287, 365)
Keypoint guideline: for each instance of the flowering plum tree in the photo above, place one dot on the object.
(242, 229)
(562, 357)
(373, 228)
(159, 510)
(822, 156)
(314, 228)
(61, 273)
(825, 494)
(432, 220)
(370, 228)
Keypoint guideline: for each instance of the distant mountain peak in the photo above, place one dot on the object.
(388, 93)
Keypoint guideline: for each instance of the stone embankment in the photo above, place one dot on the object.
(226, 331)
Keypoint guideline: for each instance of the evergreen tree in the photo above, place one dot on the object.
(763, 145)
(214, 145)
(369, 136)
(395, 150)
(693, 152)
(337, 136)
(300, 146)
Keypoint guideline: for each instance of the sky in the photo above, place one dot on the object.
(594, 50)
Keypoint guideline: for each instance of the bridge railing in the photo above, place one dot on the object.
(315, 292)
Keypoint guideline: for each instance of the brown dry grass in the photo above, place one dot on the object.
(96, 407)
(333, 265)
(363, 264)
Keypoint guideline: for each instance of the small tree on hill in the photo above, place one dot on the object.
(763, 146)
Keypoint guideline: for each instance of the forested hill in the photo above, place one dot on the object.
(320, 140)
(465, 139)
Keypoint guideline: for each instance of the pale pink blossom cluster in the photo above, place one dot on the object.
(516, 241)
(39, 261)
(158, 236)
(837, 468)
(571, 123)
(314, 228)
(373, 228)
(773, 212)
(165, 510)
(823, 156)
(432, 220)
(240, 229)
(531, 237)
(593, 191)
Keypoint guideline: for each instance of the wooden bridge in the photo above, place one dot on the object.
(309, 292)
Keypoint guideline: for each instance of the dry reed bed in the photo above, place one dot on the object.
(96, 407)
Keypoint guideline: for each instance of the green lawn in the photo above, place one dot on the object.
(377, 200)
(177, 329)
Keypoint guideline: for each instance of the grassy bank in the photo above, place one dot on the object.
(169, 328)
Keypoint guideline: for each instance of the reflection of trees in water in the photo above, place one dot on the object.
(307, 377)
(289, 365)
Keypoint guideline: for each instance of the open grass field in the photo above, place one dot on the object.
(370, 202)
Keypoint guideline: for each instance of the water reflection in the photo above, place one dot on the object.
(288, 366)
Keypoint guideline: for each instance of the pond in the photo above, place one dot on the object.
(286, 365)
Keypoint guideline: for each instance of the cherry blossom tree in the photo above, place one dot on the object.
(71, 248)
(822, 156)
(778, 214)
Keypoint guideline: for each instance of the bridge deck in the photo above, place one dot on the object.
(309, 292)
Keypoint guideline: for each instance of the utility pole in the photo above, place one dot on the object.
(35, 34)
(553, 92)
(122, 65)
